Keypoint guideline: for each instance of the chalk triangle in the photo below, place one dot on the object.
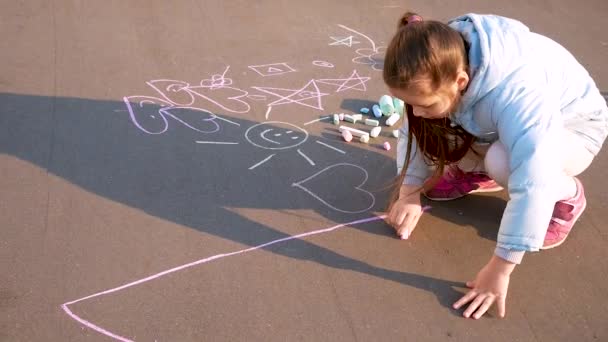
(272, 69)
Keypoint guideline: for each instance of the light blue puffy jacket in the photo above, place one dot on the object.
(524, 89)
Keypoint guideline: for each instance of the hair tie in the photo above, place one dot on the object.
(413, 18)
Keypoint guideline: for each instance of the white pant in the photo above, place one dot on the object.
(576, 159)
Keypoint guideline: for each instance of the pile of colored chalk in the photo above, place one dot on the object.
(390, 108)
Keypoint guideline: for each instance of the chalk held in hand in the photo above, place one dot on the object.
(387, 146)
(377, 111)
(375, 132)
(386, 105)
(347, 136)
(392, 119)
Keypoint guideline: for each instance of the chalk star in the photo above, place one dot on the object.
(308, 92)
(354, 81)
(348, 41)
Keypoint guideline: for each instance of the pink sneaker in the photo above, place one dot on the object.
(565, 214)
(456, 183)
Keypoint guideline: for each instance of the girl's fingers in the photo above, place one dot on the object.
(406, 227)
(415, 222)
(487, 303)
(501, 306)
(465, 299)
(410, 223)
(392, 218)
(470, 284)
(399, 218)
(474, 305)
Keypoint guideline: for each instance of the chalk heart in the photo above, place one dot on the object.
(146, 113)
(339, 187)
(198, 119)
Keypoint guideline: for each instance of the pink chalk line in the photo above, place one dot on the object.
(194, 263)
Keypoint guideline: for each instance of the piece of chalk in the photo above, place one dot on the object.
(396, 133)
(358, 117)
(375, 132)
(341, 116)
(399, 105)
(336, 119)
(392, 119)
(364, 110)
(387, 146)
(377, 111)
(364, 138)
(350, 118)
(372, 122)
(352, 131)
(347, 136)
(386, 105)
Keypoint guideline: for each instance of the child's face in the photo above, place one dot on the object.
(433, 104)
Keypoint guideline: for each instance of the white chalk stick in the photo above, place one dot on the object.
(392, 119)
(372, 122)
(353, 131)
(375, 132)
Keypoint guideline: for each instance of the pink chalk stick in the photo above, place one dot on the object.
(387, 146)
(347, 136)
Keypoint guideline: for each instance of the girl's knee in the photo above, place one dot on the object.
(497, 163)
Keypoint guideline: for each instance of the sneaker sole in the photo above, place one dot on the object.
(564, 239)
(478, 191)
(495, 189)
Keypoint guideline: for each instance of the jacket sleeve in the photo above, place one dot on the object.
(418, 170)
(529, 127)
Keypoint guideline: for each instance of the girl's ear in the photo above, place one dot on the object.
(462, 79)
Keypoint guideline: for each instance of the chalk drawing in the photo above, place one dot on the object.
(323, 64)
(216, 90)
(317, 120)
(261, 162)
(372, 56)
(150, 114)
(272, 69)
(330, 147)
(217, 142)
(354, 81)
(106, 332)
(289, 135)
(309, 95)
(256, 97)
(347, 41)
(371, 198)
(268, 110)
(306, 157)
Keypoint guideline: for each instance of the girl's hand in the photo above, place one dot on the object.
(489, 287)
(404, 214)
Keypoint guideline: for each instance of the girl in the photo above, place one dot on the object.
(487, 80)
